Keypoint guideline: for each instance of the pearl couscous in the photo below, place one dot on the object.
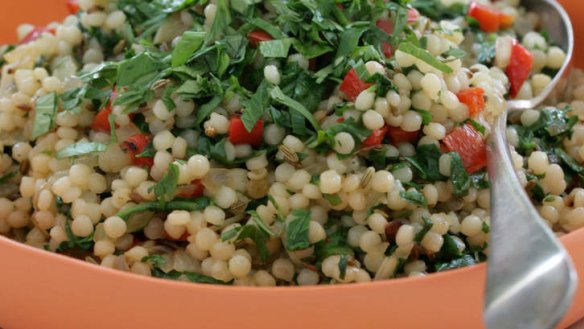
(272, 142)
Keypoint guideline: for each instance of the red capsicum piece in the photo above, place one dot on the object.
(35, 34)
(386, 26)
(101, 120)
(256, 36)
(488, 18)
(239, 135)
(398, 136)
(519, 67)
(470, 146)
(352, 86)
(73, 6)
(136, 144)
(413, 15)
(375, 138)
(473, 98)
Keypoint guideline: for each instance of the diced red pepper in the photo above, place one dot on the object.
(488, 18)
(256, 36)
(35, 34)
(239, 135)
(385, 25)
(101, 120)
(519, 67)
(413, 15)
(352, 86)
(473, 98)
(136, 144)
(73, 6)
(376, 137)
(387, 50)
(470, 146)
(506, 21)
(193, 190)
(341, 120)
(399, 136)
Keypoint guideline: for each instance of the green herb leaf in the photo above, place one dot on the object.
(81, 149)
(190, 42)
(424, 55)
(201, 278)
(349, 39)
(414, 197)
(255, 107)
(425, 229)
(466, 260)
(343, 262)
(206, 109)
(333, 199)
(260, 223)
(44, 114)
(461, 182)
(220, 22)
(166, 187)
(297, 231)
(278, 96)
(275, 48)
(426, 162)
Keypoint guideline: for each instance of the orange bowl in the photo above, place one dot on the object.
(44, 290)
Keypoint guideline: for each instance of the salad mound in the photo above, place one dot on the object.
(266, 143)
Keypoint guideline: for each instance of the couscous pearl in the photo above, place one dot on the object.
(377, 223)
(205, 239)
(114, 227)
(199, 166)
(374, 67)
(431, 85)
(272, 74)
(283, 269)
(82, 226)
(382, 181)
(273, 134)
(307, 277)
(222, 250)
(264, 279)
(316, 232)
(239, 266)
(225, 197)
(365, 100)
(373, 120)
(344, 143)
(103, 248)
(330, 182)
(214, 215)
(471, 225)
(412, 121)
(405, 235)
(432, 242)
(538, 162)
(369, 240)
(555, 58)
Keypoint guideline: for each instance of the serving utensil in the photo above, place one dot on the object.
(530, 277)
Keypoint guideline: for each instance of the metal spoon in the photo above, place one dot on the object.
(530, 277)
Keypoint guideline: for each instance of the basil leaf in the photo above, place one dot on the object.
(206, 109)
(190, 42)
(461, 181)
(201, 278)
(349, 38)
(426, 162)
(260, 223)
(456, 53)
(464, 261)
(414, 197)
(258, 237)
(333, 199)
(424, 55)
(166, 187)
(278, 96)
(425, 229)
(297, 231)
(80, 149)
(139, 70)
(275, 48)
(269, 28)
(44, 114)
(256, 105)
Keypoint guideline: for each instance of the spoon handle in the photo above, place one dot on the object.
(530, 278)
